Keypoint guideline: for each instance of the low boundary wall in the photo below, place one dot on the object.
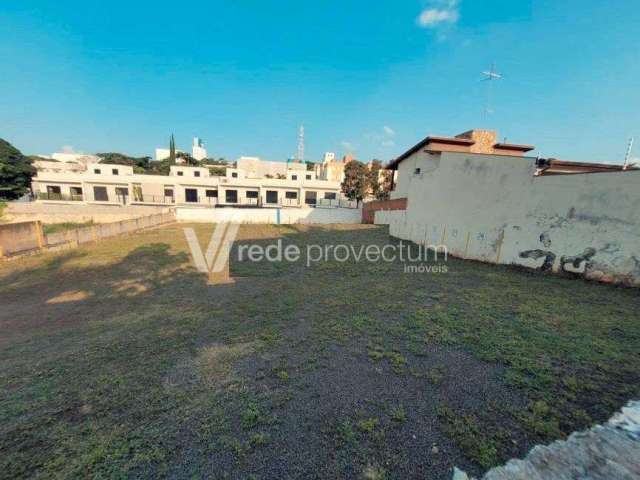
(20, 237)
(28, 237)
(76, 213)
(276, 216)
(370, 208)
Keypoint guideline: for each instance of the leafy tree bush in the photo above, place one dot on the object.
(356, 180)
(16, 171)
(379, 181)
(138, 163)
(161, 167)
(188, 159)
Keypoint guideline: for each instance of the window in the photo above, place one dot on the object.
(96, 171)
(291, 195)
(196, 174)
(76, 191)
(416, 171)
(330, 195)
(308, 177)
(231, 196)
(211, 193)
(100, 194)
(114, 171)
(168, 192)
(180, 173)
(191, 195)
(294, 177)
(310, 198)
(272, 196)
(53, 189)
(122, 193)
(252, 194)
(234, 174)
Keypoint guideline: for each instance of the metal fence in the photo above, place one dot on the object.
(59, 197)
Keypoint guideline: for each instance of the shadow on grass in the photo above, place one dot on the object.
(139, 368)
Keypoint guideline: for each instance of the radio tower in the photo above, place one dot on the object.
(300, 156)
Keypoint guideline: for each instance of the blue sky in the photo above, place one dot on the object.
(368, 77)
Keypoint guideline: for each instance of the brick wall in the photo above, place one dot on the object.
(369, 208)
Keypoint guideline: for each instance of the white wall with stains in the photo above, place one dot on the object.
(493, 209)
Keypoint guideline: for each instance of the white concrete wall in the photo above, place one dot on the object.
(60, 213)
(270, 215)
(494, 209)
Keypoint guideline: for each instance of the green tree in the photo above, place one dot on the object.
(172, 150)
(212, 161)
(385, 185)
(139, 164)
(161, 167)
(356, 180)
(188, 159)
(379, 180)
(16, 171)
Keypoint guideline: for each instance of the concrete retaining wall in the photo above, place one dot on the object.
(20, 237)
(275, 216)
(24, 237)
(494, 209)
(77, 213)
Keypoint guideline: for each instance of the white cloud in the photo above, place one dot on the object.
(388, 143)
(439, 13)
(389, 131)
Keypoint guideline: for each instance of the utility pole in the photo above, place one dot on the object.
(627, 156)
(490, 76)
(300, 154)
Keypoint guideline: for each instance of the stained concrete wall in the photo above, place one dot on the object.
(19, 237)
(60, 213)
(493, 209)
(282, 216)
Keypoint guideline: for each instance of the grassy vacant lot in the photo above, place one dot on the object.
(118, 360)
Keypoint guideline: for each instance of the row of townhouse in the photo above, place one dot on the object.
(194, 186)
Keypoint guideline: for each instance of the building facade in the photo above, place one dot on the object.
(580, 220)
(185, 185)
(197, 149)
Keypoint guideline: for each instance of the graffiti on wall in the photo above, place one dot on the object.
(547, 255)
(575, 264)
(578, 263)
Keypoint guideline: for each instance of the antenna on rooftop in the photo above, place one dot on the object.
(627, 156)
(300, 155)
(490, 76)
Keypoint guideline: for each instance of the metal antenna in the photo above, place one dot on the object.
(490, 76)
(627, 156)
(300, 144)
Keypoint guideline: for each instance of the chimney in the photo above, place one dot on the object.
(483, 140)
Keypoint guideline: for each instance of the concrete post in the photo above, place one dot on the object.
(39, 234)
